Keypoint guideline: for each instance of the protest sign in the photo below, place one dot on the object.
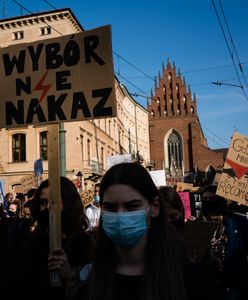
(87, 197)
(117, 159)
(27, 182)
(195, 203)
(186, 204)
(233, 183)
(67, 78)
(158, 177)
(182, 186)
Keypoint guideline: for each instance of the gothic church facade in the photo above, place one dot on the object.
(177, 142)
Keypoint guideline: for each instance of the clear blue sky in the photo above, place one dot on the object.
(145, 33)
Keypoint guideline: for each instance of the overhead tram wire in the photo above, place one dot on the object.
(118, 74)
(153, 98)
(232, 41)
(48, 3)
(16, 2)
(230, 52)
(146, 96)
(225, 143)
(132, 65)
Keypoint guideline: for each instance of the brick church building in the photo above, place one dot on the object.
(177, 142)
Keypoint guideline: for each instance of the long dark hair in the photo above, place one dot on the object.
(73, 218)
(163, 279)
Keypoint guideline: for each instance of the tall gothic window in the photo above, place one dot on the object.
(88, 151)
(19, 147)
(102, 158)
(175, 150)
(43, 145)
(82, 146)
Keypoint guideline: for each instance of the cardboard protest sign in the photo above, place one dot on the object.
(27, 182)
(117, 159)
(233, 183)
(68, 78)
(158, 177)
(186, 204)
(19, 189)
(182, 186)
(87, 197)
(195, 203)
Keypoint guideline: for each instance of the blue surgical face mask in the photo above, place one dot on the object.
(97, 198)
(125, 228)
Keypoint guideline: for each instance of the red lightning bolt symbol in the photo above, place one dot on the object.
(41, 87)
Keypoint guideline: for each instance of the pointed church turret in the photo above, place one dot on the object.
(194, 98)
(189, 90)
(163, 68)
(172, 95)
(151, 93)
(174, 65)
(159, 76)
(155, 84)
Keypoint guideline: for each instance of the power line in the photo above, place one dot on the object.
(228, 47)
(132, 65)
(47, 2)
(131, 83)
(153, 98)
(119, 56)
(232, 41)
(23, 7)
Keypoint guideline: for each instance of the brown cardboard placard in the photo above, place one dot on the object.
(233, 183)
(62, 79)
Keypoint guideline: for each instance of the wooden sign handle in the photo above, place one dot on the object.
(55, 204)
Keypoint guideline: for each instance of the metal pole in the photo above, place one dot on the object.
(129, 141)
(136, 129)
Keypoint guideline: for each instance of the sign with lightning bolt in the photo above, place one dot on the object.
(63, 79)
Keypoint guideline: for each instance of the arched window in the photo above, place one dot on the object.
(174, 151)
(192, 110)
(43, 145)
(102, 158)
(88, 151)
(82, 146)
(19, 147)
(164, 89)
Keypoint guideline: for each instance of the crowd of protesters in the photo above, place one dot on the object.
(131, 241)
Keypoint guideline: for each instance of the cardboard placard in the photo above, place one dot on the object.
(62, 79)
(27, 182)
(117, 159)
(182, 186)
(158, 177)
(186, 204)
(87, 197)
(233, 183)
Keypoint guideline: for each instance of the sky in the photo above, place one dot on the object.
(147, 33)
